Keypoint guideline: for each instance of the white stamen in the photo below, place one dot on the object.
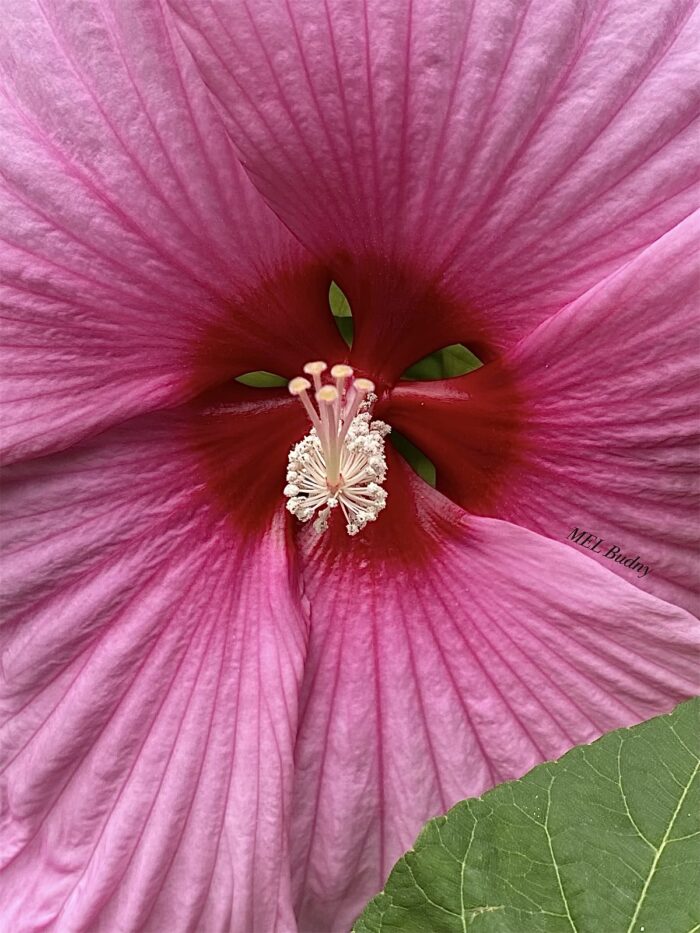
(341, 460)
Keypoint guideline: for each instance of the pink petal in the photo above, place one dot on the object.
(150, 682)
(590, 423)
(512, 152)
(448, 653)
(139, 264)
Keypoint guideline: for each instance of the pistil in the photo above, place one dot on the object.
(341, 461)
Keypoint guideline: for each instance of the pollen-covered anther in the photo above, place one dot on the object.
(341, 461)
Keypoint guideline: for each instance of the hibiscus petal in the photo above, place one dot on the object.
(153, 653)
(139, 263)
(590, 423)
(512, 152)
(448, 653)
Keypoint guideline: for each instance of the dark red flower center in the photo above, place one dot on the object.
(468, 426)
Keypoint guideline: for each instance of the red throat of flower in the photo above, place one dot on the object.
(341, 461)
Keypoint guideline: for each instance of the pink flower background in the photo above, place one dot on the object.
(213, 718)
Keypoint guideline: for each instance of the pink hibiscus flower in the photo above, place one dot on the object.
(214, 717)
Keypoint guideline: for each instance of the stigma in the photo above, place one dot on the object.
(340, 463)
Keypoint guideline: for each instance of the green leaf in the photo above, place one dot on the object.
(605, 840)
(262, 380)
(340, 306)
(455, 360)
(424, 467)
(342, 313)
(346, 328)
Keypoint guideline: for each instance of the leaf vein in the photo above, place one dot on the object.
(663, 845)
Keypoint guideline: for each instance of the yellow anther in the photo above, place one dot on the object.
(364, 385)
(298, 385)
(315, 368)
(327, 394)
